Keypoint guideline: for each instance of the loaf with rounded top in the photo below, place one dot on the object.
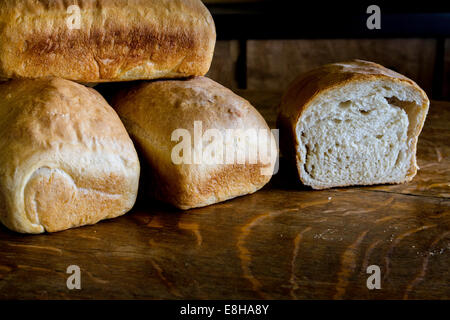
(117, 40)
(66, 159)
(153, 111)
(352, 123)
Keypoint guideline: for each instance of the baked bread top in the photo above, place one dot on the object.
(338, 113)
(334, 75)
(153, 111)
(66, 157)
(117, 40)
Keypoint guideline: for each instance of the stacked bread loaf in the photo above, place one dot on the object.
(67, 159)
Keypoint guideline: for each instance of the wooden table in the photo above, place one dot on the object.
(283, 242)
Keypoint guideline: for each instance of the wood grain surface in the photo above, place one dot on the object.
(273, 64)
(224, 64)
(283, 242)
(446, 81)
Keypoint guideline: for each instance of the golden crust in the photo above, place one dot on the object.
(66, 158)
(304, 89)
(151, 111)
(118, 40)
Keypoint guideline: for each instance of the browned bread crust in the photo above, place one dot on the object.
(151, 111)
(118, 40)
(66, 159)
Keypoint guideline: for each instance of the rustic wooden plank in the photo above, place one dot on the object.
(283, 242)
(446, 82)
(273, 64)
(276, 243)
(266, 101)
(223, 66)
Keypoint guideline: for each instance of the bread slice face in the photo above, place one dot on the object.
(352, 123)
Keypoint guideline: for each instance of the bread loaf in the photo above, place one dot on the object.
(105, 40)
(162, 115)
(352, 123)
(66, 159)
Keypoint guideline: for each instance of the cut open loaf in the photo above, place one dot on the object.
(352, 123)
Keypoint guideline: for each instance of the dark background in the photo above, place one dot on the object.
(264, 45)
